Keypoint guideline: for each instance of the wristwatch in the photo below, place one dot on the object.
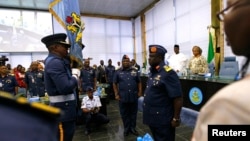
(176, 119)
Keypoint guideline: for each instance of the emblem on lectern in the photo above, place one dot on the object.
(195, 96)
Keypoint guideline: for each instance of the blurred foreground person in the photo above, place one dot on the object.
(22, 121)
(61, 84)
(162, 97)
(230, 105)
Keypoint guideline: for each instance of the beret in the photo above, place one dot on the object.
(158, 49)
(58, 38)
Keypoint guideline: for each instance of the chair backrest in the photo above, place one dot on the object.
(188, 116)
(229, 70)
(211, 68)
(229, 58)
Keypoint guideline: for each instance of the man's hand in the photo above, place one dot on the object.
(175, 122)
(117, 97)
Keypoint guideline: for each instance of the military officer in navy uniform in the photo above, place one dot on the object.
(8, 82)
(35, 81)
(60, 83)
(110, 71)
(162, 97)
(87, 76)
(127, 87)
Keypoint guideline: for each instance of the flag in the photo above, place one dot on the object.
(67, 13)
(210, 54)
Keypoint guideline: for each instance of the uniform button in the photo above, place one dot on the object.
(145, 95)
(66, 103)
(144, 104)
(157, 112)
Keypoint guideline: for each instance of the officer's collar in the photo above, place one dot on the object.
(90, 98)
(87, 68)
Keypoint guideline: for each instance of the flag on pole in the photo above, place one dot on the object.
(210, 54)
(67, 13)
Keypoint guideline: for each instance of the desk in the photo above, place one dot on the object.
(196, 90)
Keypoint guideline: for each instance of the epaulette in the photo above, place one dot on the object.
(34, 108)
(167, 68)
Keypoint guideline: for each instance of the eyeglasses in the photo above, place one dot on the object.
(220, 15)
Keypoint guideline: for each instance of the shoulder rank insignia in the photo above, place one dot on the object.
(167, 68)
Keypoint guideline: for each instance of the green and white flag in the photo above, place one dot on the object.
(210, 54)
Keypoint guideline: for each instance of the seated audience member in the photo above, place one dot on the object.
(178, 60)
(90, 107)
(198, 63)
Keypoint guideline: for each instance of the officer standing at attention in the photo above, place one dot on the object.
(127, 87)
(162, 98)
(110, 71)
(60, 83)
(87, 76)
(101, 73)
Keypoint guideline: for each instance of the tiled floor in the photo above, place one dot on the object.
(113, 131)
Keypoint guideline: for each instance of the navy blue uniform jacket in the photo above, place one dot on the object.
(163, 86)
(58, 81)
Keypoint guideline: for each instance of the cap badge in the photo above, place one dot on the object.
(153, 49)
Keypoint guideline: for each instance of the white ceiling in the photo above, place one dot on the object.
(120, 8)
